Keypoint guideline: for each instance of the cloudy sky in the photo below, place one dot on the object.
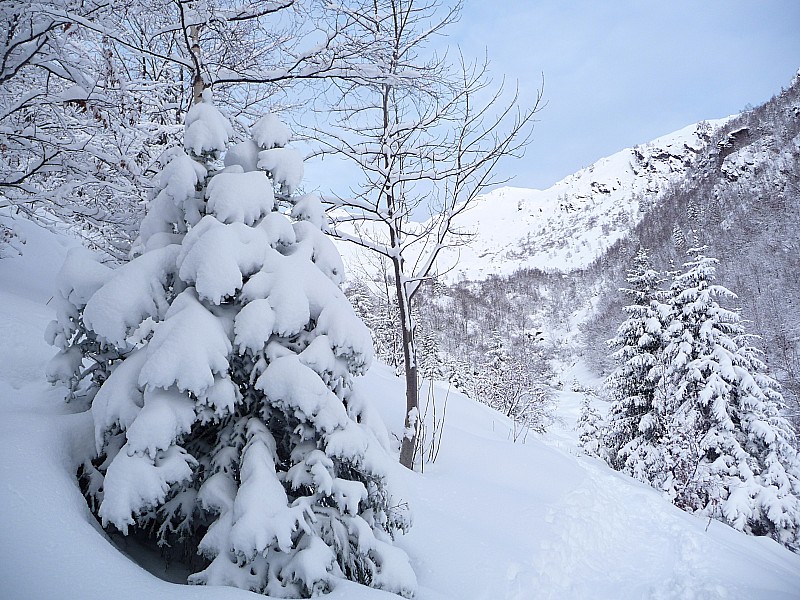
(622, 72)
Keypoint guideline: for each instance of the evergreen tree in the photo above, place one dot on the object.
(635, 425)
(431, 363)
(590, 429)
(678, 239)
(695, 414)
(225, 417)
(729, 452)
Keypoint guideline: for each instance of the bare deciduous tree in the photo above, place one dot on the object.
(427, 134)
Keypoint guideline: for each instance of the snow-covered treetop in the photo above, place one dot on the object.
(694, 289)
(643, 279)
(250, 199)
(207, 130)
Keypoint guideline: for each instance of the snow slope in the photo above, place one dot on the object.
(493, 519)
(568, 225)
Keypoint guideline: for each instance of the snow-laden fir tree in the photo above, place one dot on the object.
(728, 451)
(590, 429)
(429, 357)
(635, 422)
(219, 363)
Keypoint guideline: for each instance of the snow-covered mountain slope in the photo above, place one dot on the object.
(741, 200)
(568, 225)
(493, 519)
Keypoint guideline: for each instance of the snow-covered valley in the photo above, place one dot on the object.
(493, 518)
(274, 323)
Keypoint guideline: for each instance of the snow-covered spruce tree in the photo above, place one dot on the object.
(429, 357)
(728, 451)
(590, 429)
(227, 424)
(636, 422)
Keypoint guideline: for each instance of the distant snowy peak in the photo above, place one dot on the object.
(568, 225)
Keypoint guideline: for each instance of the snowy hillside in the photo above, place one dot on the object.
(567, 226)
(493, 519)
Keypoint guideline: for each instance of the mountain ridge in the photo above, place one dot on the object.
(570, 224)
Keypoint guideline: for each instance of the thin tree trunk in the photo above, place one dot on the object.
(411, 430)
(198, 85)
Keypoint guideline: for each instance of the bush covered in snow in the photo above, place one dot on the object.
(219, 365)
(590, 429)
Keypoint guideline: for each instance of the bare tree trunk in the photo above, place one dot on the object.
(411, 429)
(198, 85)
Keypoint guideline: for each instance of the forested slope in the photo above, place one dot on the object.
(741, 200)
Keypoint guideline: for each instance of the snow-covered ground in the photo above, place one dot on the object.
(493, 519)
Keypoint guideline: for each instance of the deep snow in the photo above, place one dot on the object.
(493, 519)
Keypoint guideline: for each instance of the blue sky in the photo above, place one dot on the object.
(622, 72)
(617, 72)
